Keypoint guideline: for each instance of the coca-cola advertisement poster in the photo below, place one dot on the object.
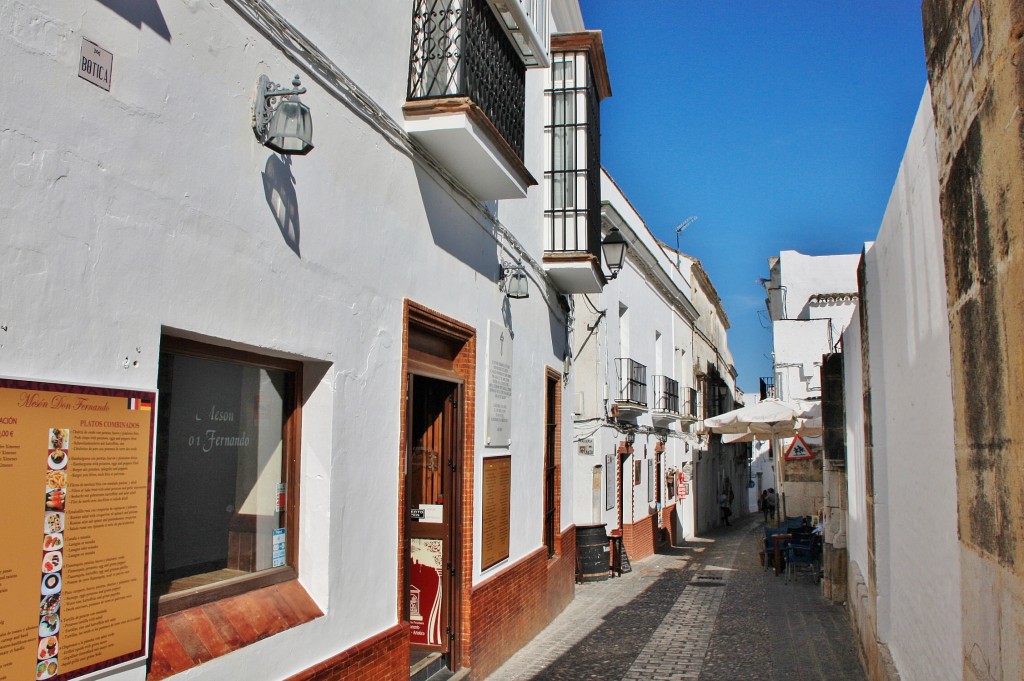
(425, 596)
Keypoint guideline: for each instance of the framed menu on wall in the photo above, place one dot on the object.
(496, 503)
(75, 470)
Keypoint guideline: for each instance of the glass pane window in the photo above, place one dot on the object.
(222, 474)
(563, 72)
(564, 150)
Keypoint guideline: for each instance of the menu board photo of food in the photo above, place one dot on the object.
(60, 446)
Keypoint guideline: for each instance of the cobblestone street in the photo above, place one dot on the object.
(706, 611)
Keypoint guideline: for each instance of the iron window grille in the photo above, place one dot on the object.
(691, 402)
(666, 394)
(573, 181)
(632, 381)
(460, 50)
(550, 466)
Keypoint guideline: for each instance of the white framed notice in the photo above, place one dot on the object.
(499, 385)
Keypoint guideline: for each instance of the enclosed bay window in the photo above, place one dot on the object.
(226, 473)
(578, 81)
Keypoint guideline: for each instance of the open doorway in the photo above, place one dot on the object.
(439, 360)
(432, 512)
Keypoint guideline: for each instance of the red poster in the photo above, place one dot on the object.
(425, 596)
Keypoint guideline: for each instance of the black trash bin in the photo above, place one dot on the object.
(591, 553)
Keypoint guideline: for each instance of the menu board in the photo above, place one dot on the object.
(75, 466)
(496, 502)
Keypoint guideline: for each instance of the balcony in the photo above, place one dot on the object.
(466, 101)
(768, 388)
(665, 409)
(632, 395)
(578, 81)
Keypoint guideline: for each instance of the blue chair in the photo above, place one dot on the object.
(769, 546)
(803, 551)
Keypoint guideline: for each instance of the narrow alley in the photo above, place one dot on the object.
(705, 610)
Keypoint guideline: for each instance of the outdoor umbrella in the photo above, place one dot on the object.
(809, 424)
(730, 438)
(768, 418)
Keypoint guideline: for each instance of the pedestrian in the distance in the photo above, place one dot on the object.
(770, 501)
(762, 503)
(723, 504)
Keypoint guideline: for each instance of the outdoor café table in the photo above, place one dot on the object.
(779, 540)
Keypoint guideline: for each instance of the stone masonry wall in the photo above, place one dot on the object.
(977, 96)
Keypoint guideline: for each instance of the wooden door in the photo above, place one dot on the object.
(432, 512)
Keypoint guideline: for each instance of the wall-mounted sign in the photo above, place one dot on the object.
(75, 470)
(610, 490)
(798, 449)
(278, 547)
(977, 32)
(95, 64)
(499, 385)
(586, 447)
(496, 506)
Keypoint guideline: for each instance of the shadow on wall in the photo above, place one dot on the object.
(279, 189)
(454, 231)
(139, 12)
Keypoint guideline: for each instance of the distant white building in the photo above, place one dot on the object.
(810, 300)
(650, 358)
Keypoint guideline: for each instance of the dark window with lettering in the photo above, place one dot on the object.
(225, 474)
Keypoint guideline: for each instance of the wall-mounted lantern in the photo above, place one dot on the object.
(280, 120)
(512, 280)
(613, 248)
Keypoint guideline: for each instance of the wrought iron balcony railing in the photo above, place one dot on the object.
(632, 381)
(768, 388)
(666, 394)
(460, 50)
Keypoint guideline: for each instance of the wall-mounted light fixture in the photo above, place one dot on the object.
(630, 437)
(512, 280)
(280, 121)
(613, 248)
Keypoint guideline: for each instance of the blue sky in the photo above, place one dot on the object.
(780, 123)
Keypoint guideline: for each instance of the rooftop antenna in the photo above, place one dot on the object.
(682, 225)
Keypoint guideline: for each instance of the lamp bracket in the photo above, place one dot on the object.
(505, 271)
(263, 105)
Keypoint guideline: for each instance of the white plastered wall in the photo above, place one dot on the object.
(152, 207)
(912, 418)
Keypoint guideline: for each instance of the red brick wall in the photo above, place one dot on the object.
(515, 605)
(382, 658)
(640, 538)
(668, 522)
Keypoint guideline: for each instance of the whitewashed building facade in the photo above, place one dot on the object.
(387, 464)
(810, 301)
(641, 350)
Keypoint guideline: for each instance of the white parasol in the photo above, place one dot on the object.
(767, 419)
